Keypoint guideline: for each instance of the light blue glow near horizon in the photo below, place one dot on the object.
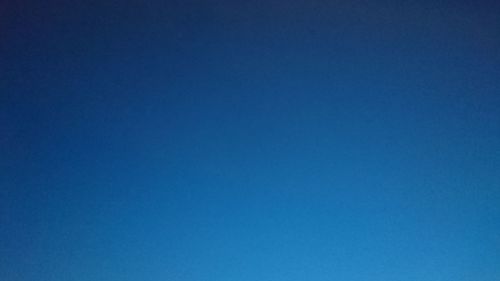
(251, 141)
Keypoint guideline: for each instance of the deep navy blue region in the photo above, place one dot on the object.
(250, 140)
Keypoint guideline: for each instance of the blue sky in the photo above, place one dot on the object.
(250, 140)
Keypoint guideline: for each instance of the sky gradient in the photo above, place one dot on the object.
(250, 140)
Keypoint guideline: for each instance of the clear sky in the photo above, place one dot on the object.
(258, 140)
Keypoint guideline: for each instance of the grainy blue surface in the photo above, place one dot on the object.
(250, 140)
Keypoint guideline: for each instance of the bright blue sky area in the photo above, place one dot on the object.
(250, 140)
